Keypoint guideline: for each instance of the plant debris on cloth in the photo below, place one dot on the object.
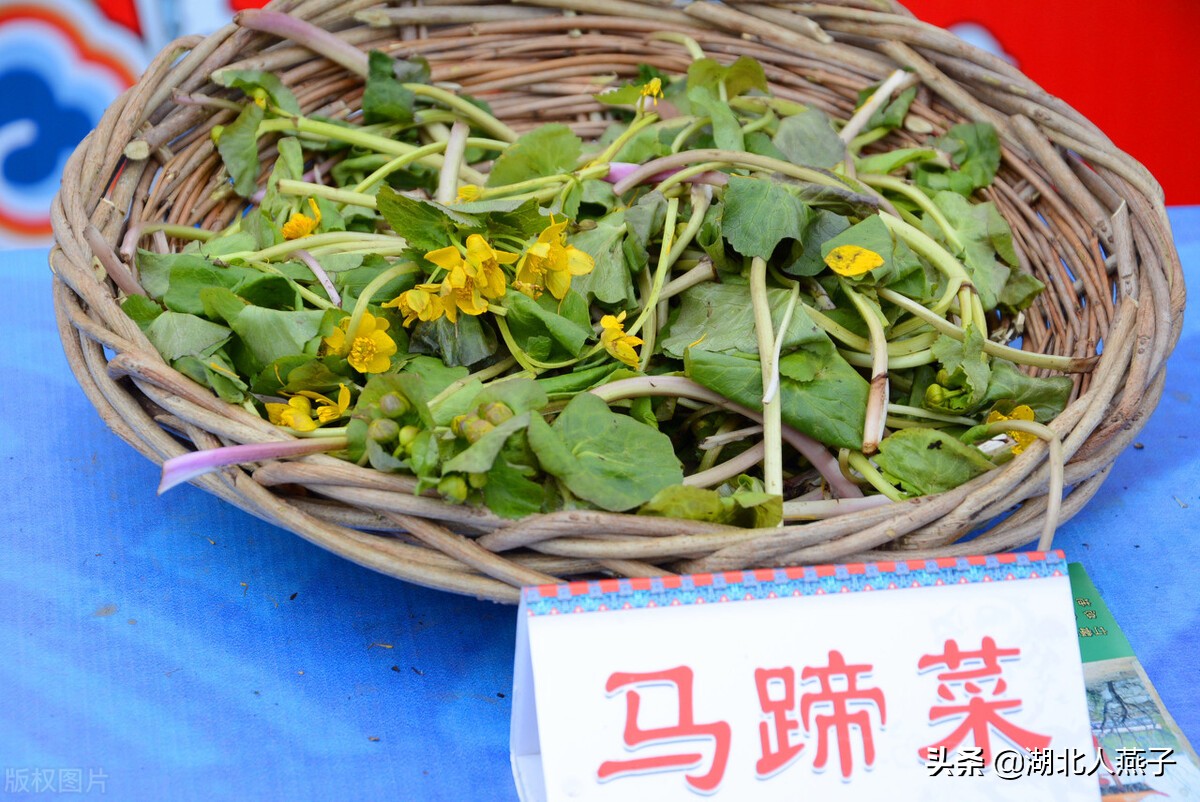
(730, 308)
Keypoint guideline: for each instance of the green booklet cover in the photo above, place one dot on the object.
(1144, 753)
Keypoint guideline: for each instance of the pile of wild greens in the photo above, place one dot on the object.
(721, 305)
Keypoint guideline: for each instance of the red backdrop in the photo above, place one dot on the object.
(1129, 68)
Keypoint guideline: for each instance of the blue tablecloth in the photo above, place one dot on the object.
(176, 648)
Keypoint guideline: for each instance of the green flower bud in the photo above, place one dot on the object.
(394, 405)
(495, 413)
(408, 434)
(475, 428)
(453, 488)
(215, 133)
(383, 430)
(477, 480)
(457, 423)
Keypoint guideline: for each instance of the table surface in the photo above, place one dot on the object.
(176, 648)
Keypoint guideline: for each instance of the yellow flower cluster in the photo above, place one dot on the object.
(298, 412)
(475, 275)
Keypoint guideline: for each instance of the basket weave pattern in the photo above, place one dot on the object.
(1088, 221)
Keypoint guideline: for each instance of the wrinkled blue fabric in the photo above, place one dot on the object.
(192, 652)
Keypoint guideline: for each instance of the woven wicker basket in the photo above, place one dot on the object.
(1088, 220)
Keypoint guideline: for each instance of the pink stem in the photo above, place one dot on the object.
(321, 275)
(178, 470)
(304, 33)
(618, 172)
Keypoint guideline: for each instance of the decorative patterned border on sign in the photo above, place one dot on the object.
(672, 591)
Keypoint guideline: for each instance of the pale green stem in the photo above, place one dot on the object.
(517, 352)
(861, 360)
(374, 286)
(346, 197)
(759, 124)
(860, 463)
(686, 173)
(516, 190)
(959, 280)
(688, 132)
(920, 199)
(862, 140)
(455, 146)
(305, 292)
(664, 266)
(877, 400)
(742, 159)
(780, 336)
(1054, 492)
(918, 412)
(692, 46)
(472, 112)
(710, 457)
(1065, 364)
(408, 158)
(629, 133)
(312, 242)
(179, 231)
(898, 348)
(772, 409)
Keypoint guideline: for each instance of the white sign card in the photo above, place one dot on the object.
(954, 678)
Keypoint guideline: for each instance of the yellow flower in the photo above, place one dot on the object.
(297, 413)
(550, 262)
(1023, 439)
(371, 349)
(468, 193)
(465, 299)
(851, 260)
(617, 342)
(301, 225)
(486, 261)
(653, 90)
(422, 302)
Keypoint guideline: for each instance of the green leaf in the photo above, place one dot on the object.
(820, 393)
(719, 317)
(385, 98)
(603, 457)
(727, 129)
(873, 235)
(424, 226)
(187, 280)
(739, 77)
(509, 494)
(759, 214)
(267, 334)
(975, 150)
(893, 113)
(610, 281)
(520, 395)
(549, 150)
(745, 508)
(1046, 396)
(569, 384)
(292, 374)
(518, 218)
(984, 234)
(808, 139)
(964, 377)
(410, 386)
(627, 95)
(250, 80)
(141, 310)
(527, 317)
(154, 269)
(465, 342)
(176, 335)
(215, 372)
(927, 461)
(479, 456)
(806, 257)
(1020, 291)
(238, 147)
